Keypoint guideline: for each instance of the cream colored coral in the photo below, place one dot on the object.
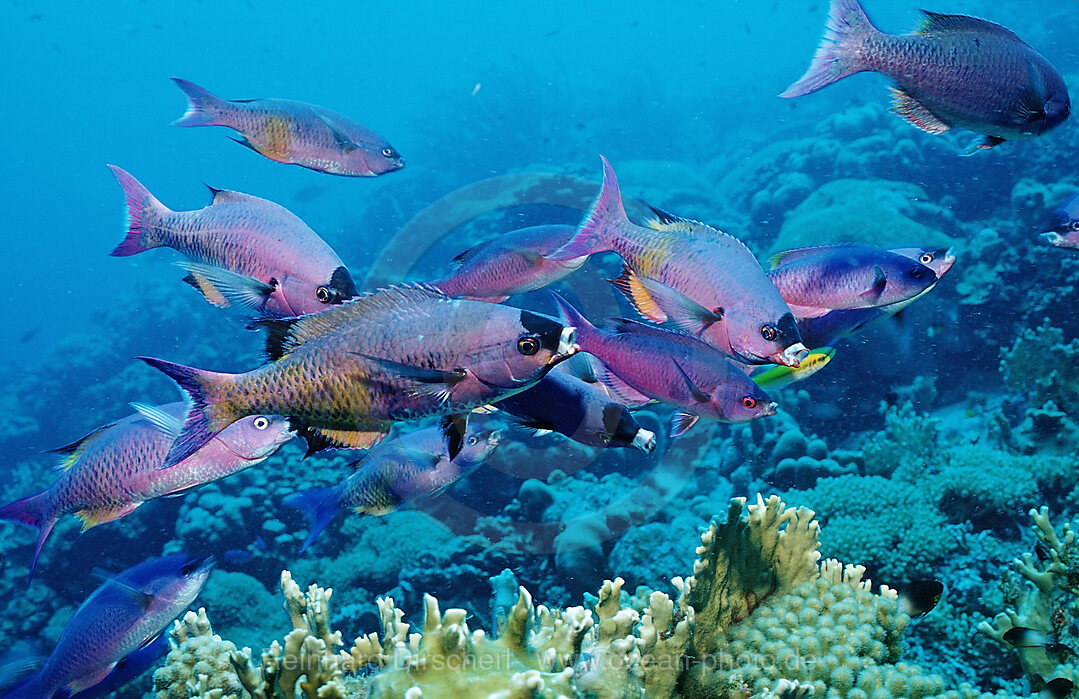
(198, 665)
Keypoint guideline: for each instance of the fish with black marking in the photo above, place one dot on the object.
(1064, 232)
(287, 131)
(345, 375)
(242, 251)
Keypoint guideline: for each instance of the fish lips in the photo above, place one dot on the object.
(791, 356)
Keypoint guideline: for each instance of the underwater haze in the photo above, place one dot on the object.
(925, 447)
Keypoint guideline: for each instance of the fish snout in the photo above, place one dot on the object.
(644, 440)
(770, 408)
(1053, 238)
(567, 344)
(792, 356)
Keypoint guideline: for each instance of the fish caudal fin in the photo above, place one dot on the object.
(594, 233)
(571, 316)
(140, 205)
(32, 511)
(836, 56)
(320, 505)
(206, 416)
(203, 108)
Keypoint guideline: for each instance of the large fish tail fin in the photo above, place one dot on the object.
(595, 232)
(847, 28)
(203, 108)
(320, 505)
(571, 316)
(140, 205)
(33, 511)
(207, 415)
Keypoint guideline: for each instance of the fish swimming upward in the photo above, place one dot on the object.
(345, 375)
(122, 615)
(704, 281)
(1065, 227)
(396, 472)
(116, 468)
(293, 132)
(512, 263)
(243, 251)
(641, 363)
(953, 72)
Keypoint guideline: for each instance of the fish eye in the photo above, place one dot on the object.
(1074, 225)
(261, 422)
(187, 570)
(749, 402)
(473, 441)
(323, 294)
(769, 332)
(528, 345)
(389, 152)
(604, 437)
(926, 258)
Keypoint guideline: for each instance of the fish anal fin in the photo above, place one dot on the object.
(682, 422)
(913, 111)
(88, 681)
(630, 285)
(319, 438)
(91, 517)
(984, 143)
(619, 389)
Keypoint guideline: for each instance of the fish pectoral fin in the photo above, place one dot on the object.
(880, 283)
(682, 422)
(808, 311)
(630, 286)
(168, 424)
(140, 597)
(913, 111)
(430, 383)
(485, 410)
(681, 310)
(319, 438)
(698, 395)
(454, 427)
(981, 144)
(73, 451)
(346, 144)
(223, 288)
(244, 141)
(91, 517)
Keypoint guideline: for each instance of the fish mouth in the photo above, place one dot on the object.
(644, 440)
(1053, 238)
(770, 409)
(792, 356)
(567, 345)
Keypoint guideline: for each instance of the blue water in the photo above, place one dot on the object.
(686, 95)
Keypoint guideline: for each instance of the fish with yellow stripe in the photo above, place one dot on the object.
(345, 375)
(704, 281)
(287, 131)
(116, 468)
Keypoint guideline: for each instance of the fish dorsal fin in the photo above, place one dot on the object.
(916, 113)
(937, 23)
(228, 196)
(286, 334)
(459, 260)
(345, 143)
(172, 426)
(73, 451)
(794, 254)
(664, 218)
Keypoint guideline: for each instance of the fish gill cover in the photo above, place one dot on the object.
(400, 143)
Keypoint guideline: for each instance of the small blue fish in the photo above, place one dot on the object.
(125, 613)
(1065, 227)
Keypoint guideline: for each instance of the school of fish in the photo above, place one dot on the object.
(717, 330)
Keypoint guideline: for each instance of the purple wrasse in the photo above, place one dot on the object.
(243, 251)
(512, 263)
(394, 473)
(640, 363)
(345, 375)
(293, 132)
(704, 281)
(116, 468)
(826, 277)
(953, 72)
(122, 615)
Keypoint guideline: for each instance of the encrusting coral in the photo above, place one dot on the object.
(761, 615)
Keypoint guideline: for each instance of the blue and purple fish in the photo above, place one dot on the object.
(953, 72)
(1065, 227)
(126, 613)
(287, 131)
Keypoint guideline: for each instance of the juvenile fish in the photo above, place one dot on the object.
(704, 281)
(512, 263)
(641, 363)
(953, 72)
(563, 403)
(394, 473)
(345, 375)
(243, 251)
(122, 615)
(116, 468)
(1065, 230)
(287, 131)
(828, 277)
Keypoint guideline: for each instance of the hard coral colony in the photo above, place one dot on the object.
(904, 361)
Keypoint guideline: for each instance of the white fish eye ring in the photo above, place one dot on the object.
(261, 423)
